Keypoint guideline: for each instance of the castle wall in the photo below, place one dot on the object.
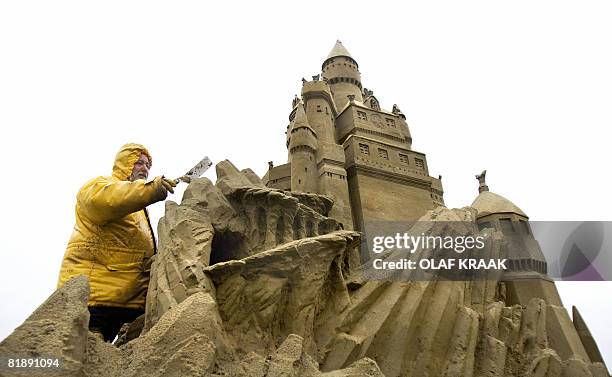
(391, 159)
(400, 202)
(386, 182)
(279, 177)
(358, 120)
(521, 290)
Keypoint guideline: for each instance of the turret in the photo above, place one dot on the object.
(494, 211)
(302, 145)
(341, 72)
(526, 276)
(320, 109)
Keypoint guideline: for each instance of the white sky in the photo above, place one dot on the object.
(520, 88)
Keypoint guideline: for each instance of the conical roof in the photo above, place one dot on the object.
(488, 202)
(339, 50)
(300, 119)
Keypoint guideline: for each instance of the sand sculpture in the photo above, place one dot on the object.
(268, 277)
(254, 281)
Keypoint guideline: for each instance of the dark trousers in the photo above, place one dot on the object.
(108, 320)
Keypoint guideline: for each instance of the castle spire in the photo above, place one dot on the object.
(339, 50)
(300, 119)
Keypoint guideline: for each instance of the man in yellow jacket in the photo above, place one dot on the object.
(113, 242)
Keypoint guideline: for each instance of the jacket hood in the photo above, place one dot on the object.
(126, 158)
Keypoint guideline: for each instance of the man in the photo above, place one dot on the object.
(112, 242)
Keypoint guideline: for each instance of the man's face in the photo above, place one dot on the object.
(141, 168)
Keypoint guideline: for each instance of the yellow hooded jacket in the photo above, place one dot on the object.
(112, 242)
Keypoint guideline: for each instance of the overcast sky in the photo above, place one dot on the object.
(520, 88)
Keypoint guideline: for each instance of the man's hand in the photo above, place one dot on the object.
(162, 186)
(168, 184)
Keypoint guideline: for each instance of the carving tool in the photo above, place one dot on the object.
(195, 171)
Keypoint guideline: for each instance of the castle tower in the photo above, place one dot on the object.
(378, 152)
(341, 71)
(526, 277)
(320, 109)
(362, 152)
(302, 145)
(332, 179)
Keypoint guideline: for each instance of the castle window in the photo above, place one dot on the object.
(305, 169)
(419, 163)
(364, 148)
(362, 115)
(403, 158)
(390, 122)
(318, 108)
(382, 153)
